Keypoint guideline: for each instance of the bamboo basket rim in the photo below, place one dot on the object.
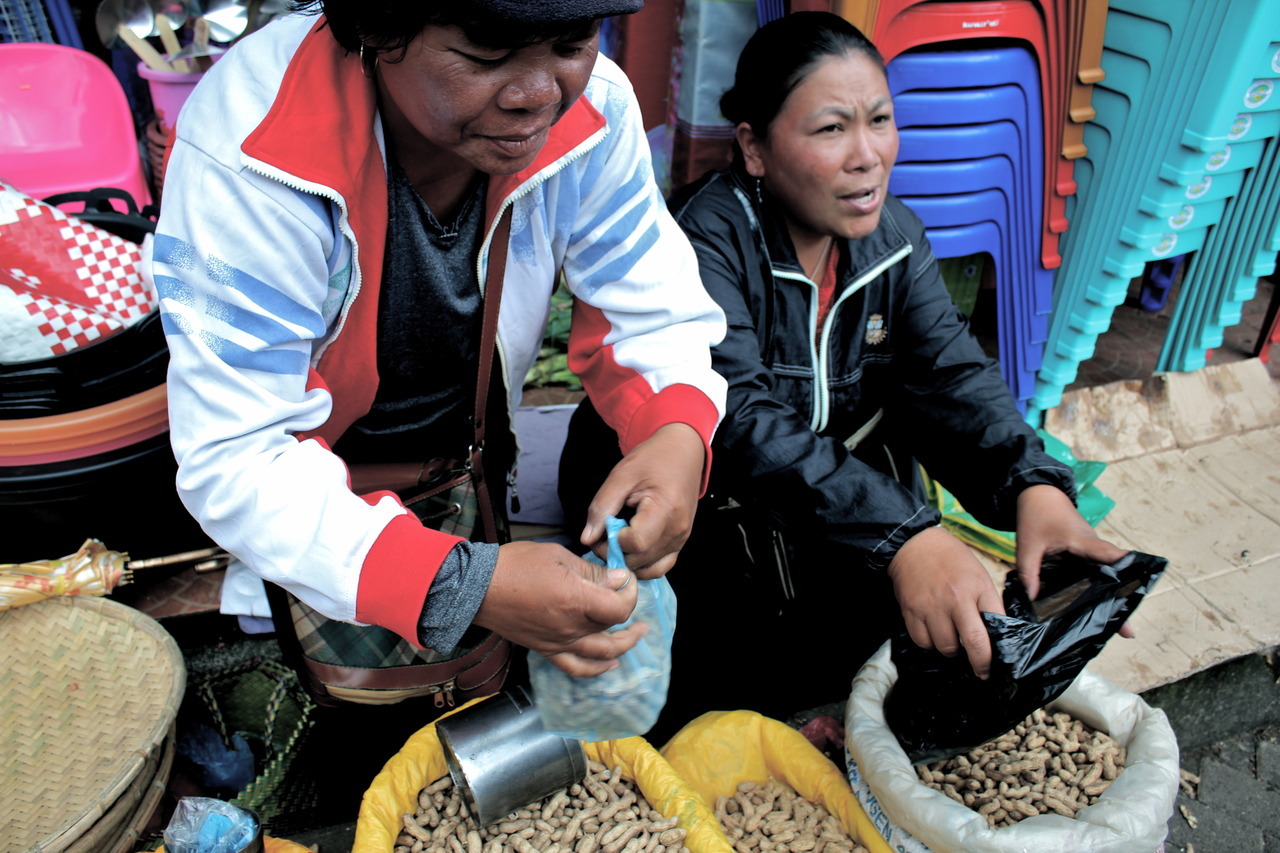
(60, 642)
(114, 820)
(131, 833)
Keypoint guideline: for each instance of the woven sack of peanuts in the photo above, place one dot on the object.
(661, 800)
(722, 752)
(1130, 816)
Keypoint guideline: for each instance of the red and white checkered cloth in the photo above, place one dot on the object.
(63, 283)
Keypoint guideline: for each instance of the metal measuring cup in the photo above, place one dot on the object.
(502, 759)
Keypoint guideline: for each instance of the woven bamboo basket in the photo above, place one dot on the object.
(115, 825)
(92, 689)
(135, 829)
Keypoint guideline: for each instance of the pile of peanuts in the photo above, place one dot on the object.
(1047, 763)
(605, 813)
(771, 818)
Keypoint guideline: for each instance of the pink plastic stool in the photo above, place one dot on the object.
(65, 124)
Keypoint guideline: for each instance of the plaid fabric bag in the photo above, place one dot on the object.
(370, 665)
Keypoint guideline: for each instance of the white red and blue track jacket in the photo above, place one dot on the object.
(268, 259)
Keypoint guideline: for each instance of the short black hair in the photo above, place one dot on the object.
(387, 26)
(779, 56)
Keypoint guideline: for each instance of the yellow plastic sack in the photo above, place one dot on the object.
(421, 761)
(720, 749)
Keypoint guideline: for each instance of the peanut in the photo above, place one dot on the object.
(1047, 763)
(605, 813)
(764, 817)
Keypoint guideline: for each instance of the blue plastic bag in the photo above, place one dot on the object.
(220, 768)
(626, 701)
(209, 825)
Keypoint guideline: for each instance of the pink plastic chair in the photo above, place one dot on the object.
(65, 124)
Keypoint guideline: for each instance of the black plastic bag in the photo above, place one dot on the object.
(938, 708)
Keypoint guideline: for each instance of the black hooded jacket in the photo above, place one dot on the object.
(895, 366)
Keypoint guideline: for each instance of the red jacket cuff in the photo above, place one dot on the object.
(676, 404)
(398, 572)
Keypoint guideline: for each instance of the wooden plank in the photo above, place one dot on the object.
(1177, 633)
(1248, 466)
(1112, 422)
(1249, 600)
(1167, 505)
(1219, 401)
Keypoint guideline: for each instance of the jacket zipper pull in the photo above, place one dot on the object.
(515, 494)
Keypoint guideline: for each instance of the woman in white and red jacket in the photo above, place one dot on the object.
(328, 210)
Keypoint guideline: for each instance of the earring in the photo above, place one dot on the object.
(759, 194)
(368, 66)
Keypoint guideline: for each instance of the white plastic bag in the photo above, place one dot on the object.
(623, 702)
(1131, 816)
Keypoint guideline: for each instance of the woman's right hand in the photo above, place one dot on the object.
(943, 591)
(561, 606)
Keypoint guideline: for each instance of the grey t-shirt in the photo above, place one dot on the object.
(429, 322)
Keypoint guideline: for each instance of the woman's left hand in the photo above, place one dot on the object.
(660, 479)
(1048, 523)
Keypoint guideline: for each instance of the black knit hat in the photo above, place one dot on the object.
(552, 11)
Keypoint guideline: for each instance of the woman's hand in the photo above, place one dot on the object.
(943, 591)
(546, 599)
(659, 479)
(1048, 523)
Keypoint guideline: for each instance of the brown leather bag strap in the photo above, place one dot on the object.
(484, 373)
(469, 672)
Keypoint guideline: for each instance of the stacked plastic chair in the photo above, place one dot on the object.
(1065, 37)
(902, 25)
(1223, 274)
(1163, 176)
(970, 164)
(987, 91)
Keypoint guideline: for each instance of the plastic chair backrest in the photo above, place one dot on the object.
(65, 124)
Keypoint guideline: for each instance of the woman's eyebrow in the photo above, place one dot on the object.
(849, 113)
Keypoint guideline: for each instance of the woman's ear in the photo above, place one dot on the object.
(751, 146)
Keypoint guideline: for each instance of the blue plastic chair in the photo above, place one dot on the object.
(1021, 270)
(961, 210)
(947, 124)
(1008, 105)
(983, 68)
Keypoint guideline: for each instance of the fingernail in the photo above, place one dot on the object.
(619, 578)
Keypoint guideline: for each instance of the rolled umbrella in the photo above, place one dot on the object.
(92, 570)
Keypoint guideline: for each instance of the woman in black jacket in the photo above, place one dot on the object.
(847, 364)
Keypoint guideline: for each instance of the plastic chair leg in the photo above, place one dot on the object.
(1270, 331)
(1158, 281)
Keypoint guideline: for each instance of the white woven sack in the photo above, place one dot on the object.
(1130, 817)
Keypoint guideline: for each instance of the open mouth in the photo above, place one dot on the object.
(862, 200)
